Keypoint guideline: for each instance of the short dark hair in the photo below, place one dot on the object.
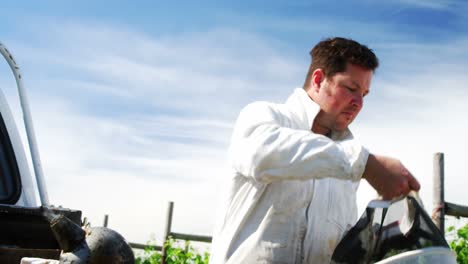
(333, 54)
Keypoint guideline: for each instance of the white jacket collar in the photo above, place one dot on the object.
(303, 107)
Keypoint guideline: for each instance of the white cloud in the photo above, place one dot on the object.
(123, 169)
(432, 4)
(218, 69)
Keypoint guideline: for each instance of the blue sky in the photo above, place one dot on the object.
(134, 103)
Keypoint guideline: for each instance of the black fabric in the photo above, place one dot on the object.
(387, 230)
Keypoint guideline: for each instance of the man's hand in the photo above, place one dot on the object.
(389, 177)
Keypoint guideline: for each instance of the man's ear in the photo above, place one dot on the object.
(316, 80)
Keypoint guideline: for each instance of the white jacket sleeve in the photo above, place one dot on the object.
(265, 149)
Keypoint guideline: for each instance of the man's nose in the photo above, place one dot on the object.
(357, 101)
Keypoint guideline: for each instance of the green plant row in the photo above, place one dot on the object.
(174, 255)
(188, 255)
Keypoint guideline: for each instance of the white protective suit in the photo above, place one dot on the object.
(292, 193)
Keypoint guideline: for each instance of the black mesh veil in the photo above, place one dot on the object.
(388, 228)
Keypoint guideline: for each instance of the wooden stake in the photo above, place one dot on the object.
(106, 220)
(167, 230)
(438, 192)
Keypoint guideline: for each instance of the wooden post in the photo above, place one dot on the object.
(438, 192)
(106, 220)
(167, 230)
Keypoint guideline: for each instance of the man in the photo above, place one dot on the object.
(297, 166)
